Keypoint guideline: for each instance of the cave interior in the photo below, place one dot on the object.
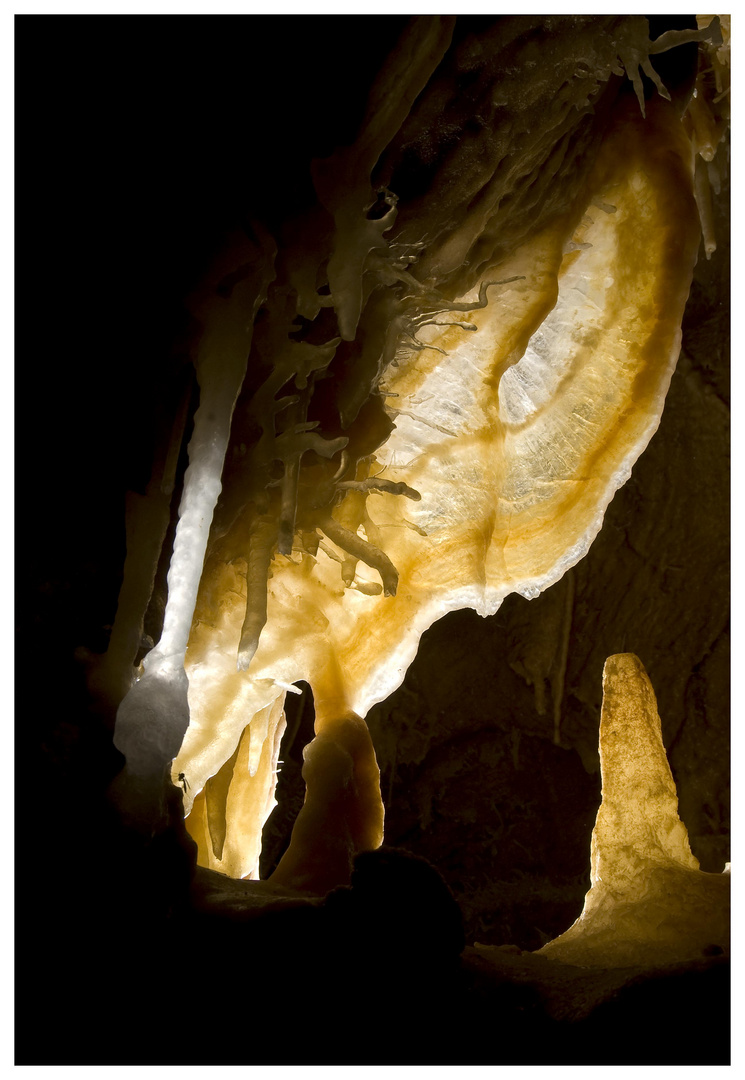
(142, 141)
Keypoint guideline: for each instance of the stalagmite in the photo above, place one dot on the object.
(343, 811)
(649, 903)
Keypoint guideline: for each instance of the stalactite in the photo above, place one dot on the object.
(261, 542)
(154, 716)
(362, 550)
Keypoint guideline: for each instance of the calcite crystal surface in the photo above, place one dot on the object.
(452, 360)
(649, 903)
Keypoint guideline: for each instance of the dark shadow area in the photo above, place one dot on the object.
(290, 791)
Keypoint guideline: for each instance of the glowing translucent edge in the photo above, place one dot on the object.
(487, 600)
(446, 392)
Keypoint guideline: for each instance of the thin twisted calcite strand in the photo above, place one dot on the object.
(649, 903)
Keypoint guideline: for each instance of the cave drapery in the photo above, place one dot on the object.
(426, 387)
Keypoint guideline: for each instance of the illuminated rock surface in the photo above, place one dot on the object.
(515, 431)
(649, 903)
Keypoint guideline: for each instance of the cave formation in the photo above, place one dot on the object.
(367, 242)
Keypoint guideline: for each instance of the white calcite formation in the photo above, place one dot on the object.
(649, 903)
(154, 715)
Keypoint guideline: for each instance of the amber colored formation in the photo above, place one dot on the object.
(649, 903)
(342, 814)
(453, 359)
(515, 429)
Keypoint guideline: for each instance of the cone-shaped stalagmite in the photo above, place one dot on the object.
(648, 902)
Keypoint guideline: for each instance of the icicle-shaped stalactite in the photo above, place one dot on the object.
(261, 544)
(153, 718)
(707, 119)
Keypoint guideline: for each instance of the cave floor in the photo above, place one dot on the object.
(370, 968)
(149, 961)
